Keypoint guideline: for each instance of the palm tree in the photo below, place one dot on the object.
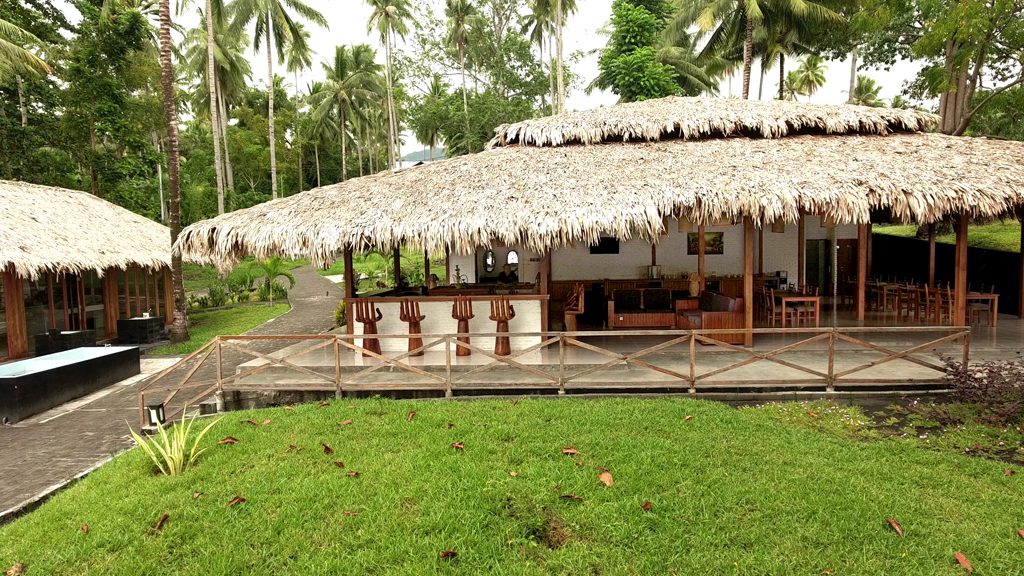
(320, 130)
(460, 14)
(810, 75)
(272, 269)
(211, 83)
(275, 26)
(428, 129)
(351, 77)
(791, 87)
(299, 57)
(389, 18)
(179, 327)
(547, 18)
(15, 58)
(898, 101)
(731, 23)
(866, 92)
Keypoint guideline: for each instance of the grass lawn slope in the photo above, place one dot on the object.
(730, 492)
(204, 326)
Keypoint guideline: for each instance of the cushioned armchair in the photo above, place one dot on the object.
(715, 311)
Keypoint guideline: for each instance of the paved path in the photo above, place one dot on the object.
(49, 449)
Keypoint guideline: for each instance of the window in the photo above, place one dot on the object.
(512, 259)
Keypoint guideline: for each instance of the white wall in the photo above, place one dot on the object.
(780, 253)
(472, 265)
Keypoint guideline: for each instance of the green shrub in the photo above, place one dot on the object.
(217, 295)
(175, 451)
(340, 315)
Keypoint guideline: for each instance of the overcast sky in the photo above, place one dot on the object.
(347, 25)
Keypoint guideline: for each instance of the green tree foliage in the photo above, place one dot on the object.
(1002, 116)
(629, 65)
(866, 92)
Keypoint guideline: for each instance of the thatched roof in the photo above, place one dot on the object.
(52, 229)
(548, 197)
(703, 118)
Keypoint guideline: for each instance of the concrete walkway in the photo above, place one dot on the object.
(50, 449)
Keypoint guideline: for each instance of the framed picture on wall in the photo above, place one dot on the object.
(605, 245)
(714, 243)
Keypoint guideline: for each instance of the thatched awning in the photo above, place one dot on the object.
(49, 229)
(547, 197)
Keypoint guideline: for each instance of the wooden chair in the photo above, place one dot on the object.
(462, 310)
(501, 312)
(409, 312)
(805, 312)
(775, 310)
(573, 307)
(977, 310)
(368, 315)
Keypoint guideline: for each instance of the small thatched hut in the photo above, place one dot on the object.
(72, 261)
(625, 171)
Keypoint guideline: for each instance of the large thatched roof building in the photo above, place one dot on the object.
(617, 171)
(70, 260)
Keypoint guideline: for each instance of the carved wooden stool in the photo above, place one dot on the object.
(501, 312)
(409, 312)
(462, 310)
(368, 315)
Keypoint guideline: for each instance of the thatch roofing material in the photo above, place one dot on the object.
(543, 197)
(701, 118)
(47, 229)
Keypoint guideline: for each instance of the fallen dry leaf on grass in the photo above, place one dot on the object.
(513, 473)
(812, 413)
(235, 501)
(895, 525)
(688, 418)
(458, 445)
(85, 528)
(451, 425)
(197, 495)
(570, 451)
(289, 407)
(251, 421)
(646, 506)
(352, 474)
(964, 561)
(160, 523)
(266, 422)
(410, 415)
(293, 448)
(15, 570)
(345, 422)
(573, 497)
(339, 464)
(606, 478)
(327, 449)
(228, 440)
(1020, 532)
(449, 555)
(350, 513)
(323, 403)
(1009, 472)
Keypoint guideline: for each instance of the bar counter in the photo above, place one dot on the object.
(531, 313)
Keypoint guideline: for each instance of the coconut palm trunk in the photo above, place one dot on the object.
(229, 172)
(390, 101)
(270, 105)
(21, 101)
(558, 57)
(316, 153)
(341, 135)
(748, 53)
(853, 74)
(782, 76)
(179, 326)
(211, 83)
(160, 177)
(465, 97)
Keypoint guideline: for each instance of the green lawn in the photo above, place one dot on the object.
(730, 492)
(997, 236)
(235, 320)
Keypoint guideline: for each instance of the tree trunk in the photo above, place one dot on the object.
(316, 152)
(782, 76)
(160, 177)
(211, 83)
(760, 82)
(270, 106)
(465, 98)
(359, 144)
(341, 134)
(298, 136)
(390, 102)
(21, 101)
(228, 171)
(551, 79)
(853, 74)
(179, 326)
(748, 54)
(394, 112)
(560, 82)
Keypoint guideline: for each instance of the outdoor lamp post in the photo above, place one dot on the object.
(156, 414)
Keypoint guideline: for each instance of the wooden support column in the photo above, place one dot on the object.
(960, 275)
(426, 268)
(110, 311)
(67, 312)
(149, 303)
(654, 254)
(51, 310)
(168, 298)
(396, 254)
(931, 254)
(871, 249)
(14, 305)
(700, 257)
(760, 249)
(545, 289)
(350, 275)
(138, 299)
(862, 270)
(748, 279)
(801, 246)
(447, 267)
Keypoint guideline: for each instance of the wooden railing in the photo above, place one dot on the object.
(694, 361)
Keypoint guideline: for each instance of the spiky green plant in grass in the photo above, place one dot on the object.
(171, 452)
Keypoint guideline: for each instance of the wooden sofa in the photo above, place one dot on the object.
(713, 311)
(641, 308)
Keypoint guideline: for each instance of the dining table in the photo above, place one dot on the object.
(787, 298)
(993, 302)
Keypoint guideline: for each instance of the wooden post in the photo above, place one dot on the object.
(447, 267)
(49, 297)
(545, 289)
(350, 275)
(138, 300)
(862, 270)
(700, 257)
(931, 254)
(168, 298)
(960, 276)
(760, 250)
(127, 295)
(67, 312)
(748, 279)
(426, 268)
(654, 254)
(110, 311)
(81, 302)
(801, 246)
(14, 305)
(396, 254)
(871, 249)
(149, 304)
